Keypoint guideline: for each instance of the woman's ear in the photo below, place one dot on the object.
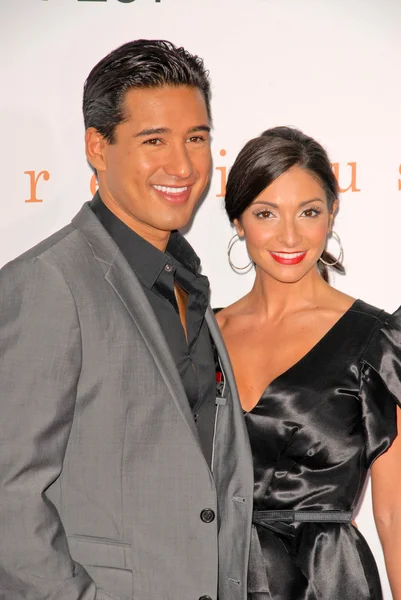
(239, 228)
(333, 214)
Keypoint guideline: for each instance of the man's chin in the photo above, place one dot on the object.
(175, 226)
(176, 222)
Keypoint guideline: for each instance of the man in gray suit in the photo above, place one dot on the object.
(123, 474)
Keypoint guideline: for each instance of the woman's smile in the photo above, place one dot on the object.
(288, 258)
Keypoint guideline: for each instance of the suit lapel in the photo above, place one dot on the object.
(120, 276)
(136, 303)
(223, 354)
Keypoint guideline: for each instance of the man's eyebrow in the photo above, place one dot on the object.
(200, 128)
(160, 130)
(153, 131)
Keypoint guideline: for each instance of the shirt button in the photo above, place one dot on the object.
(205, 598)
(207, 515)
(168, 268)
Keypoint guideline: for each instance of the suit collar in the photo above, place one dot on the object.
(102, 245)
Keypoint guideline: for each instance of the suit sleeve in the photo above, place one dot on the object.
(40, 358)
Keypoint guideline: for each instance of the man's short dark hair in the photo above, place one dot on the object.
(138, 64)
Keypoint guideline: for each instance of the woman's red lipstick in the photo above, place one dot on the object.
(288, 258)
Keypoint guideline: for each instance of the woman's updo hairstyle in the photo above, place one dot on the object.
(263, 159)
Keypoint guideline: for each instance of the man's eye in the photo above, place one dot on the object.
(153, 142)
(197, 138)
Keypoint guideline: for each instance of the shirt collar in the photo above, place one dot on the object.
(180, 250)
(145, 259)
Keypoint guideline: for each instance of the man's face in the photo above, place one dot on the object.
(156, 170)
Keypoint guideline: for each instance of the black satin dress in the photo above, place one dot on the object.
(314, 434)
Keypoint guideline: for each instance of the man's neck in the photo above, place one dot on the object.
(157, 238)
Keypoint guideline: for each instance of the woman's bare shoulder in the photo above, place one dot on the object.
(338, 301)
(237, 309)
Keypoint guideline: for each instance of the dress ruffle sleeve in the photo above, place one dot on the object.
(380, 385)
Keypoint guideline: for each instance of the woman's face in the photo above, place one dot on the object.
(286, 226)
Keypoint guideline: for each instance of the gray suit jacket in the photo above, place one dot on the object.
(102, 478)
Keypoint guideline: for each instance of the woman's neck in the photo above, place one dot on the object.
(273, 299)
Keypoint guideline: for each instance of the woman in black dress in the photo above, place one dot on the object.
(318, 374)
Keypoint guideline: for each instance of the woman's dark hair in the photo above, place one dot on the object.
(263, 159)
(138, 64)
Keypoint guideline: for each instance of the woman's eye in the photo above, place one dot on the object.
(311, 212)
(264, 214)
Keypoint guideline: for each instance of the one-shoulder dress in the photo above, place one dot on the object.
(314, 434)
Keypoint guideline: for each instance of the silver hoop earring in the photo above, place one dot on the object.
(340, 256)
(234, 267)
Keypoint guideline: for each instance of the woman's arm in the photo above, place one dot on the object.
(386, 493)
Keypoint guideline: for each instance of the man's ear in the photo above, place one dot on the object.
(239, 228)
(95, 145)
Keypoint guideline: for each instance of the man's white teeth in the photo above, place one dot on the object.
(170, 190)
(289, 255)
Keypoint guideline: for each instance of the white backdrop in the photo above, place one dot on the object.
(330, 68)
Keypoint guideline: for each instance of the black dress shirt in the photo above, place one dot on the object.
(157, 272)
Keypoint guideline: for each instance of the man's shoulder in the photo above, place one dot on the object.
(47, 250)
(49, 244)
(62, 243)
(42, 262)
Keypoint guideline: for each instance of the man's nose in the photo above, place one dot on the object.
(179, 163)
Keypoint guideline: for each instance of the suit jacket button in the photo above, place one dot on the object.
(207, 515)
(205, 598)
